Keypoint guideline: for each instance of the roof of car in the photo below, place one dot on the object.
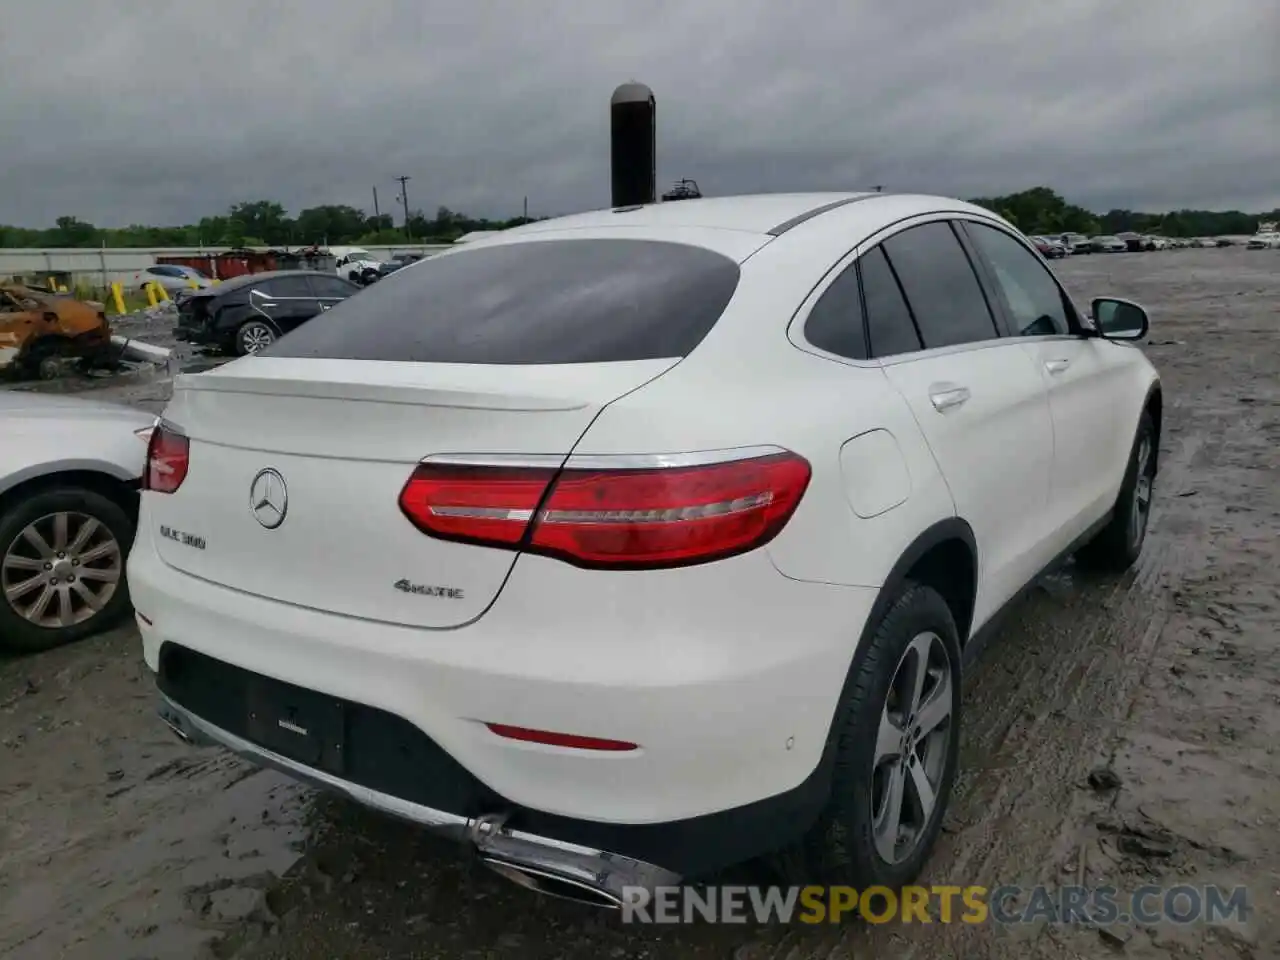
(760, 213)
(770, 214)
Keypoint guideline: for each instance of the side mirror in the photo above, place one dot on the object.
(1120, 319)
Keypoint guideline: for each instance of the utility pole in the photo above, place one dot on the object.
(376, 212)
(526, 210)
(404, 198)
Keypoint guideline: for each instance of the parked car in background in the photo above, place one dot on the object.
(1108, 244)
(38, 327)
(352, 262)
(1075, 243)
(374, 274)
(653, 538)
(174, 278)
(1049, 248)
(69, 476)
(245, 314)
(1224, 242)
(1263, 241)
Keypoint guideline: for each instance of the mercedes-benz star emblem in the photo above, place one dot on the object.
(269, 498)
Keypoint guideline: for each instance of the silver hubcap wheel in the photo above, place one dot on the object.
(912, 747)
(1142, 489)
(61, 570)
(256, 336)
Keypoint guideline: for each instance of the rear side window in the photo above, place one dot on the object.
(551, 301)
(940, 285)
(835, 322)
(888, 319)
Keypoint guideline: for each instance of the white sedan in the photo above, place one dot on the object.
(69, 476)
(629, 545)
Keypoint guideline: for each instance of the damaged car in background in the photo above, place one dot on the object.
(248, 313)
(39, 330)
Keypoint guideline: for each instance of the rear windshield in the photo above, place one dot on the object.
(550, 301)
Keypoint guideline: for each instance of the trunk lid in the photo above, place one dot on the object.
(345, 436)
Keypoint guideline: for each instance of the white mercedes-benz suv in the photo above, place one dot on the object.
(629, 545)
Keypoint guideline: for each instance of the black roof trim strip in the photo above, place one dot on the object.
(786, 225)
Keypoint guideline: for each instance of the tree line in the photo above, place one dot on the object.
(1039, 210)
(259, 223)
(1042, 211)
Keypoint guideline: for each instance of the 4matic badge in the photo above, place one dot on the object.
(428, 590)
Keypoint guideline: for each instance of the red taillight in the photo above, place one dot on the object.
(571, 740)
(665, 516)
(168, 456)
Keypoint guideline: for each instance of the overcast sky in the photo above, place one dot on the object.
(164, 112)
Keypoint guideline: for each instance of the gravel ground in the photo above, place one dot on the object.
(118, 842)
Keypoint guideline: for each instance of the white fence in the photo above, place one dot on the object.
(106, 265)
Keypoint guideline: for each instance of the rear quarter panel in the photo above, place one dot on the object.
(40, 447)
(814, 407)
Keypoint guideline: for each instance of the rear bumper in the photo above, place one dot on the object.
(731, 710)
(595, 875)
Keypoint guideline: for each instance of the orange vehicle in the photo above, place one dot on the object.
(37, 326)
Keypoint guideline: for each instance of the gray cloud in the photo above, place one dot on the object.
(122, 113)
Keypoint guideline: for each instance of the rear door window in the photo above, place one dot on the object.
(285, 288)
(941, 286)
(549, 301)
(330, 288)
(889, 322)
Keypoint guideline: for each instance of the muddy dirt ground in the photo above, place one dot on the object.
(117, 842)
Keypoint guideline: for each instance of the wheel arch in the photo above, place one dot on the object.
(122, 492)
(931, 558)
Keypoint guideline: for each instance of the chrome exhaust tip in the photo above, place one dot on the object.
(179, 727)
(564, 870)
(550, 885)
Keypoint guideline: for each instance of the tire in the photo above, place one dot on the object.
(253, 335)
(1117, 546)
(843, 847)
(22, 627)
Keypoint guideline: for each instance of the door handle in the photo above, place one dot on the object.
(944, 396)
(1056, 366)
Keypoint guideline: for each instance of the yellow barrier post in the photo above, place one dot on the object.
(117, 295)
(151, 293)
(161, 292)
(63, 288)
